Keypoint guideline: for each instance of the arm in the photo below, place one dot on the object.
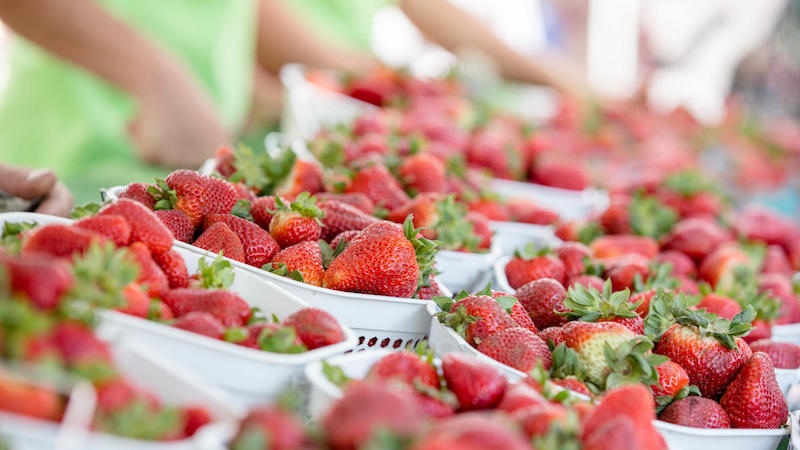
(176, 124)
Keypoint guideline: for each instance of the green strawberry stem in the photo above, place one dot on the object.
(425, 250)
(589, 305)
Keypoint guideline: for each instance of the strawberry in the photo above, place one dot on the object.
(618, 245)
(757, 223)
(315, 327)
(137, 302)
(476, 317)
(517, 311)
(761, 329)
(435, 407)
(344, 236)
(178, 224)
(305, 176)
(516, 347)
(643, 300)
(707, 347)
(271, 337)
(379, 185)
(381, 260)
(429, 292)
(259, 246)
(565, 175)
(536, 421)
(475, 431)
(475, 384)
(589, 339)
(623, 270)
(244, 193)
(544, 300)
(589, 305)
(682, 265)
(717, 268)
(201, 322)
(672, 378)
(18, 397)
(296, 222)
(776, 261)
(552, 336)
(526, 211)
(784, 355)
(521, 270)
(573, 255)
(226, 306)
(367, 407)
(587, 281)
(184, 190)
(269, 424)
(491, 208)
(616, 218)
(113, 227)
(520, 396)
(195, 417)
(41, 278)
(138, 192)
(405, 366)
(480, 228)
(174, 267)
(753, 399)
(623, 419)
(574, 385)
(440, 218)
(493, 149)
(340, 217)
(696, 237)
(150, 273)
(423, 172)
(145, 226)
(220, 196)
(219, 238)
(262, 209)
(59, 240)
(78, 345)
(304, 258)
(723, 306)
(355, 199)
(697, 412)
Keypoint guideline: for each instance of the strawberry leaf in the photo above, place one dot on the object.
(85, 210)
(649, 217)
(334, 374)
(217, 275)
(242, 209)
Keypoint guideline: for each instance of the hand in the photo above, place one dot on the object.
(32, 183)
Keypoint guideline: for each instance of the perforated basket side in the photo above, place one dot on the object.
(385, 340)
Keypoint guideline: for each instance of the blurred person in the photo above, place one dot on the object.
(40, 185)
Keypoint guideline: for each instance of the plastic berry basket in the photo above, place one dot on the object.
(681, 437)
(567, 203)
(465, 271)
(509, 236)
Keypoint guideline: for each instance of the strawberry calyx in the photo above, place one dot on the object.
(660, 277)
(424, 249)
(282, 340)
(452, 230)
(664, 307)
(423, 350)
(531, 251)
(589, 231)
(100, 275)
(589, 305)
(305, 205)
(242, 209)
(650, 217)
(457, 319)
(506, 301)
(566, 364)
(165, 197)
(19, 320)
(139, 420)
(688, 183)
(334, 374)
(723, 330)
(86, 210)
(217, 275)
(11, 237)
(279, 268)
(662, 401)
(549, 390)
(632, 362)
(442, 394)
(329, 253)
(744, 289)
(562, 434)
(262, 171)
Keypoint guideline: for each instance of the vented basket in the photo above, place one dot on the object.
(567, 203)
(681, 437)
(510, 236)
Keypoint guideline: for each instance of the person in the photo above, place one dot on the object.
(40, 185)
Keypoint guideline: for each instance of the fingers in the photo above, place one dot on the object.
(57, 203)
(26, 183)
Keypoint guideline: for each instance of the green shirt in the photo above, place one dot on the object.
(54, 114)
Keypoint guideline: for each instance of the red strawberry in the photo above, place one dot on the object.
(753, 399)
(720, 305)
(645, 298)
(138, 192)
(174, 267)
(543, 299)
(178, 224)
(41, 278)
(574, 385)
(696, 237)
(682, 265)
(244, 193)
(226, 306)
(340, 217)
(525, 211)
(150, 273)
(572, 254)
(225, 159)
(356, 199)
(520, 396)
(717, 268)
(623, 419)
(518, 313)
(305, 257)
(521, 271)
(476, 317)
(405, 366)
(59, 240)
(259, 246)
(588, 340)
(137, 302)
(220, 196)
(113, 227)
(160, 311)
(261, 211)
(78, 345)
(434, 407)
(552, 335)
(345, 236)
(697, 412)
(784, 355)
(760, 224)
(671, 379)
(516, 347)
(565, 175)
(269, 424)
(476, 385)
(189, 190)
(305, 176)
(296, 222)
(480, 227)
(492, 209)
(591, 305)
(622, 270)
(201, 323)
(586, 281)
(761, 329)
(367, 407)
(423, 172)
(220, 238)
(21, 398)
(616, 218)
(536, 421)
(379, 185)
(145, 226)
(776, 261)
(380, 260)
(623, 244)
(315, 327)
(194, 418)
(474, 431)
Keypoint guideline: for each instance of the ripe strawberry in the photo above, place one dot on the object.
(269, 424)
(544, 299)
(381, 260)
(429, 292)
(589, 305)
(520, 396)
(697, 237)
(643, 299)
(145, 226)
(160, 311)
(717, 268)
(565, 175)
(709, 349)
(220, 196)
(184, 190)
(194, 418)
(137, 302)
(21, 398)
(78, 345)
(697, 412)
(219, 238)
(552, 336)
(517, 311)
(616, 218)
(261, 210)
(296, 222)
(761, 329)
(537, 421)
(753, 399)
(572, 254)
(59, 240)
(757, 223)
(521, 271)
(784, 355)
(672, 378)
(259, 246)
(340, 217)
(516, 347)
(720, 305)
(682, 265)
(271, 337)
(201, 322)
(41, 278)
(476, 317)
(776, 261)
(379, 185)
(226, 306)
(574, 385)
(491, 208)
(315, 327)
(174, 267)
(305, 176)
(367, 407)
(477, 385)
(113, 227)
(435, 407)
(586, 281)
(618, 245)
(138, 192)
(345, 236)
(405, 366)
(588, 340)
(150, 273)
(305, 258)
(355, 199)
(623, 419)
(622, 270)
(526, 211)
(423, 172)
(178, 224)
(480, 227)
(244, 193)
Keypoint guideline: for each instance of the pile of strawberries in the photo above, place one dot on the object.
(329, 242)
(47, 322)
(405, 402)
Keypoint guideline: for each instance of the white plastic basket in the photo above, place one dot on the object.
(787, 333)
(500, 278)
(465, 271)
(510, 236)
(567, 203)
(679, 437)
